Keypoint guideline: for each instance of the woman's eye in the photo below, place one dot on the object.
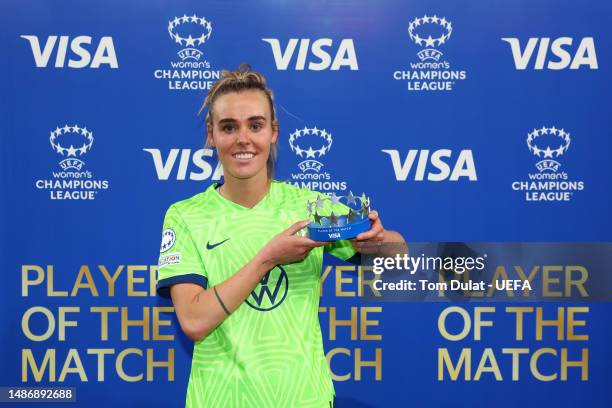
(227, 128)
(256, 126)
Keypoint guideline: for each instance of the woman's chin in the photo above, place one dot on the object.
(243, 173)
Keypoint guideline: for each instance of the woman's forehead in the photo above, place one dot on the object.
(241, 105)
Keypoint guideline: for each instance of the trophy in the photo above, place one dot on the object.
(334, 217)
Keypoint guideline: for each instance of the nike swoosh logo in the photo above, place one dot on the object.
(211, 246)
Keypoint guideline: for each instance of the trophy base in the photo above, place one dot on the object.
(337, 233)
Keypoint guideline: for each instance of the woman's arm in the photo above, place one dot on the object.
(200, 310)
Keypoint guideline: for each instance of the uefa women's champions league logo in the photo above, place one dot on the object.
(431, 72)
(311, 144)
(419, 28)
(168, 239)
(548, 183)
(73, 182)
(310, 164)
(191, 71)
(190, 42)
(86, 141)
(534, 143)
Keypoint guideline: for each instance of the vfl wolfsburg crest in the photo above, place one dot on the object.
(271, 290)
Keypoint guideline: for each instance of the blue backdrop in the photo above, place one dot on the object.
(465, 121)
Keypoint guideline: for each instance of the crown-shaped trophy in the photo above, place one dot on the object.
(334, 217)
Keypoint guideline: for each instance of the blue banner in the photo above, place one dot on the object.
(473, 121)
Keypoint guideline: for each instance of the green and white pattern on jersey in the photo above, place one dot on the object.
(269, 352)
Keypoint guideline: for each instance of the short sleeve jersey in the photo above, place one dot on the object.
(269, 351)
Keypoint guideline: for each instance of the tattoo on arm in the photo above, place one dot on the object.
(221, 301)
(196, 298)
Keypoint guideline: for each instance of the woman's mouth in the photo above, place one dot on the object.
(243, 155)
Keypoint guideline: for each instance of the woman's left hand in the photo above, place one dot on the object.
(370, 240)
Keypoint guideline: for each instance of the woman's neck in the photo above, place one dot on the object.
(245, 192)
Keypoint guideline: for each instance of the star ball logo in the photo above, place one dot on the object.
(191, 71)
(548, 164)
(189, 41)
(310, 164)
(549, 183)
(429, 53)
(87, 142)
(431, 72)
(311, 144)
(168, 239)
(73, 182)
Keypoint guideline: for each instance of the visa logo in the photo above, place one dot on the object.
(316, 56)
(434, 167)
(165, 166)
(564, 54)
(80, 56)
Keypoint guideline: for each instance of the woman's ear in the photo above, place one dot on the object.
(274, 131)
(209, 136)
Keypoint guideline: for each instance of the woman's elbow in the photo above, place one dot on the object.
(195, 330)
(195, 324)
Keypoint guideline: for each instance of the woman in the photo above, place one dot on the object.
(243, 278)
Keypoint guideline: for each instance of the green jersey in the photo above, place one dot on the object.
(269, 351)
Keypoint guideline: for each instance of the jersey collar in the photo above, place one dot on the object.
(213, 189)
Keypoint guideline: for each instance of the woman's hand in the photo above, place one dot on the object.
(371, 240)
(199, 310)
(287, 247)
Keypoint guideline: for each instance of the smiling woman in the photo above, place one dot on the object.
(243, 133)
(244, 281)
(239, 93)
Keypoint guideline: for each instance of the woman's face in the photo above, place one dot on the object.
(242, 131)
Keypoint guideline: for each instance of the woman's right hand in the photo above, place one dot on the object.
(199, 310)
(287, 247)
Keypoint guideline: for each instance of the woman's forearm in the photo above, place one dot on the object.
(200, 311)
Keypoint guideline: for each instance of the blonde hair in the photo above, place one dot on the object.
(242, 79)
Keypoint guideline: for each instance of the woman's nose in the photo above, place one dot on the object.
(242, 136)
